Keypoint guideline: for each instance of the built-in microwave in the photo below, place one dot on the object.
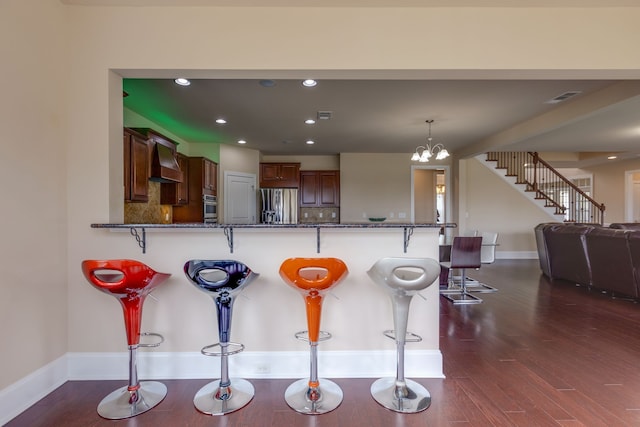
(210, 208)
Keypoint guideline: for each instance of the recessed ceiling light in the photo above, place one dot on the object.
(310, 142)
(242, 141)
(309, 83)
(310, 122)
(221, 121)
(612, 157)
(267, 83)
(182, 81)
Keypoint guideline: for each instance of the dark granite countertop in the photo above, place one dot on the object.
(278, 226)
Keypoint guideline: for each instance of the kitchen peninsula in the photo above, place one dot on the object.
(268, 318)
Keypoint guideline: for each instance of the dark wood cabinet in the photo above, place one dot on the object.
(177, 194)
(210, 176)
(136, 166)
(319, 189)
(279, 175)
(202, 178)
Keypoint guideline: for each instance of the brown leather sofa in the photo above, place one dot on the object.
(604, 258)
(566, 250)
(610, 261)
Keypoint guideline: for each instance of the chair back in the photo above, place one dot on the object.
(465, 252)
(488, 249)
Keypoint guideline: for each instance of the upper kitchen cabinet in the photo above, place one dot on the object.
(210, 176)
(137, 166)
(177, 194)
(319, 189)
(279, 175)
(164, 162)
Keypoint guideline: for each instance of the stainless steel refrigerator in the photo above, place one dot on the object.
(279, 205)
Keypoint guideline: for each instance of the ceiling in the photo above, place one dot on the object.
(388, 116)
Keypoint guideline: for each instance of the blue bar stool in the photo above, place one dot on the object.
(130, 282)
(223, 280)
(402, 278)
(312, 278)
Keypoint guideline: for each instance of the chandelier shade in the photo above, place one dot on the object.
(423, 153)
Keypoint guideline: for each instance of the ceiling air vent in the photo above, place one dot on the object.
(564, 97)
(324, 115)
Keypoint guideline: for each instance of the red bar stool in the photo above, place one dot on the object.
(313, 277)
(402, 278)
(130, 281)
(223, 280)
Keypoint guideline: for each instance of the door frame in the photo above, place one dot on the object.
(447, 183)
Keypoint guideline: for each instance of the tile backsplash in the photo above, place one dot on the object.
(151, 212)
(319, 215)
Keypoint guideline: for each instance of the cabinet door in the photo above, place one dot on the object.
(182, 188)
(126, 148)
(210, 177)
(290, 175)
(329, 189)
(308, 189)
(273, 175)
(269, 174)
(137, 163)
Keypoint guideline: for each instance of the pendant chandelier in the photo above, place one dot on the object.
(424, 152)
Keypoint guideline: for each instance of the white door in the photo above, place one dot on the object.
(239, 198)
(632, 196)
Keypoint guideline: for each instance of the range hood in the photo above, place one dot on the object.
(164, 167)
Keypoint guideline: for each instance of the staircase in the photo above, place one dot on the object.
(556, 192)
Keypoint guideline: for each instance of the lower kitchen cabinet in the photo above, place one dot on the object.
(202, 180)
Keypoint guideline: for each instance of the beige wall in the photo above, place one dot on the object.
(374, 185)
(493, 205)
(34, 123)
(61, 120)
(609, 187)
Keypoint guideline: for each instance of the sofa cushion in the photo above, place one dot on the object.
(566, 252)
(610, 261)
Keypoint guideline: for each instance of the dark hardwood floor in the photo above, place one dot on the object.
(533, 354)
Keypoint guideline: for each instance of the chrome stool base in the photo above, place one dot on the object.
(117, 406)
(297, 398)
(207, 401)
(417, 399)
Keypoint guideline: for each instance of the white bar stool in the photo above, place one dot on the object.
(402, 278)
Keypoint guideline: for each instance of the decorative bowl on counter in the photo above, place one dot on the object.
(377, 219)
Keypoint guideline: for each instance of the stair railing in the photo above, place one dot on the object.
(549, 185)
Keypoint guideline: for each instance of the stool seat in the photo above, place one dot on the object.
(402, 278)
(130, 282)
(312, 278)
(223, 280)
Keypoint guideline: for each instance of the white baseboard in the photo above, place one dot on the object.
(516, 255)
(284, 364)
(193, 365)
(20, 395)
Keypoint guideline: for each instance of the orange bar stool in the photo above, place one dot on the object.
(313, 277)
(402, 278)
(223, 280)
(130, 281)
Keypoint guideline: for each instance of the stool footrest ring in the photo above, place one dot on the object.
(151, 334)
(304, 336)
(232, 348)
(410, 337)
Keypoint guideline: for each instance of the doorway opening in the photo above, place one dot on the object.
(430, 194)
